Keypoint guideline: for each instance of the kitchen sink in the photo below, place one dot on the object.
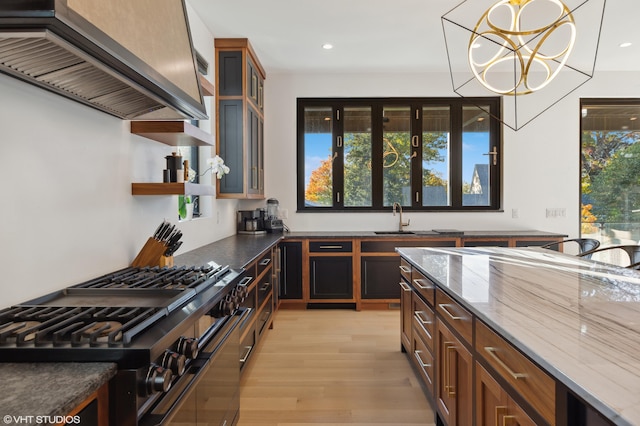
(393, 232)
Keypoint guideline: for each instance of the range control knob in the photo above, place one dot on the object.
(175, 362)
(188, 346)
(228, 305)
(242, 292)
(158, 379)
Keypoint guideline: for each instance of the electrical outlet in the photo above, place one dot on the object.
(554, 213)
(515, 213)
(284, 213)
(218, 218)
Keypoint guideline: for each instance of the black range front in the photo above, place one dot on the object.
(165, 328)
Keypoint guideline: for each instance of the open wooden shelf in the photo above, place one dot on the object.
(207, 87)
(186, 188)
(174, 133)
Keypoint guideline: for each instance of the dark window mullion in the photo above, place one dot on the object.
(494, 171)
(338, 155)
(456, 155)
(416, 161)
(376, 155)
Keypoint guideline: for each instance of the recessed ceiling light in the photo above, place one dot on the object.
(625, 44)
(327, 46)
(633, 118)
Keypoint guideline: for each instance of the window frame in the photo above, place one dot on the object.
(456, 106)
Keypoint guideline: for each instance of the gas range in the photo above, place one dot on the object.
(154, 323)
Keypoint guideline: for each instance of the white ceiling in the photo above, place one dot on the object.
(378, 35)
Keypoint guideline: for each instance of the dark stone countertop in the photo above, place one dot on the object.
(48, 389)
(240, 250)
(236, 251)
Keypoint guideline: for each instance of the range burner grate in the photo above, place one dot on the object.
(184, 277)
(74, 326)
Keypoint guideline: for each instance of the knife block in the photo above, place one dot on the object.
(150, 254)
(166, 261)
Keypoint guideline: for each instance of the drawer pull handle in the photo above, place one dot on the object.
(424, 323)
(445, 307)
(420, 284)
(265, 262)
(447, 368)
(330, 247)
(405, 286)
(246, 354)
(420, 316)
(405, 269)
(265, 287)
(492, 353)
(246, 280)
(420, 361)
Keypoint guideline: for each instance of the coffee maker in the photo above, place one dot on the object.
(251, 222)
(272, 223)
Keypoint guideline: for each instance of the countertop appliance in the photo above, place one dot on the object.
(167, 329)
(272, 222)
(251, 222)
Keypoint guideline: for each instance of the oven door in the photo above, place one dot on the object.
(209, 392)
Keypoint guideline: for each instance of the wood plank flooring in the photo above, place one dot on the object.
(332, 367)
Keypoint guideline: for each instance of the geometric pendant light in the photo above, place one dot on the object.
(533, 53)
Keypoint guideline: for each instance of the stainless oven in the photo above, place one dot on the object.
(208, 393)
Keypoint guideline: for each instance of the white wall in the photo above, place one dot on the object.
(67, 212)
(540, 161)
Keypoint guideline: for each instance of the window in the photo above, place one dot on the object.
(610, 170)
(426, 154)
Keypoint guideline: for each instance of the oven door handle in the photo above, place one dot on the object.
(196, 368)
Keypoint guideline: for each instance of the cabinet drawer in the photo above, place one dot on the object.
(423, 359)
(405, 270)
(424, 286)
(330, 246)
(455, 315)
(263, 262)
(424, 321)
(263, 289)
(533, 384)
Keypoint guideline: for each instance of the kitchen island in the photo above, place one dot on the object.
(576, 321)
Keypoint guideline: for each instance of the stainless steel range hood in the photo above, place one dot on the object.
(52, 44)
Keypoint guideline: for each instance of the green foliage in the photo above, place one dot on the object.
(396, 163)
(615, 190)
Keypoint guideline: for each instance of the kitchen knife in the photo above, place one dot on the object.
(155, 234)
(167, 232)
(172, 249)
(163, 229)
(174, 238)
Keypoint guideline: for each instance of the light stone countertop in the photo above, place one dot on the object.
(578, 319)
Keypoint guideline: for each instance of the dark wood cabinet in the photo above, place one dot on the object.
(260, 300)
(331, 277)
(240, 119)
(379, 277)
(494, 406)
(291, 270)
(406, 315)
(454, 384)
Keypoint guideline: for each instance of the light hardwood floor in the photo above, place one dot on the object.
(332, 367)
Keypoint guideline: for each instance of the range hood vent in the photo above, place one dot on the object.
(67, 60)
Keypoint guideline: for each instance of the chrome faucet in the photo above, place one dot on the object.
(401, 224)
